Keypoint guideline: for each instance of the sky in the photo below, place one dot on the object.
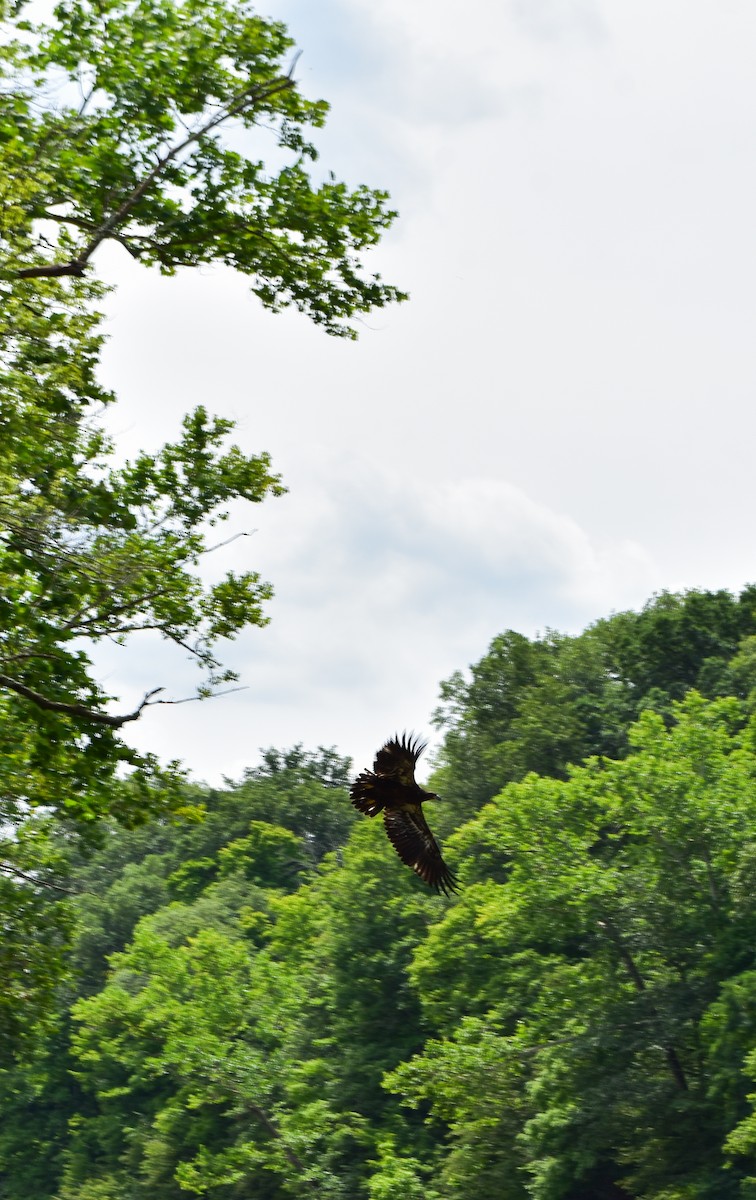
(559, 422)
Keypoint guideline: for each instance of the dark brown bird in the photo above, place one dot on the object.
(390, 788)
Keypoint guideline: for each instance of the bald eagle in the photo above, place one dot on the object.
(390, 788)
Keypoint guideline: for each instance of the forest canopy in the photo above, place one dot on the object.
(264, 1001)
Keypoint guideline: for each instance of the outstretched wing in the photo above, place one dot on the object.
(398, 758)
(413, 841)
(392, 781)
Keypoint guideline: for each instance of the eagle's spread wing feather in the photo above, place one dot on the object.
(413, 841)
(397, 759)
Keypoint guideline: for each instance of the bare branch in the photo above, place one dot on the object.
(209, 696)
(234, 537)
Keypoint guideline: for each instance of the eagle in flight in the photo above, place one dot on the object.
(390, 788)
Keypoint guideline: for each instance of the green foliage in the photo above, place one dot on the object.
(176, 130)
(165, 1039)
(299, 795)
(588, 1042)
(37, 1098)
(153, 1016)
(579, 1022)
(282, 1097)
(257, 828)
(133, 149)
(265, 856)
(30, 965)
(397, 1177)
(542, 705)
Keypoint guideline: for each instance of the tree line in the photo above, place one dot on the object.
(259, 1000)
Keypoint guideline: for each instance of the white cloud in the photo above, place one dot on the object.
(555, 20)
(384, 586)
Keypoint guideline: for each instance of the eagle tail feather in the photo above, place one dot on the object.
(365, 795)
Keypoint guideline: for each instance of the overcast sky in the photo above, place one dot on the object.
(558, 423)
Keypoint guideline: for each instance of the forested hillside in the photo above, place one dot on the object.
(261, 1001)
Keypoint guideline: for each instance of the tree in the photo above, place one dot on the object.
(89, 552)
(163, 886)
(112, 120)
(305, 793)
(112, 124)
(541, 705)
(593, 1006)
(128, 146)
(255, 1066)
(578, 1024)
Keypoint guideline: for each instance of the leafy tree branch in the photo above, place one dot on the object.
(247, 99)
(176, 129)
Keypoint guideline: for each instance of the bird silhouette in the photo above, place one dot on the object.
(390, 788)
